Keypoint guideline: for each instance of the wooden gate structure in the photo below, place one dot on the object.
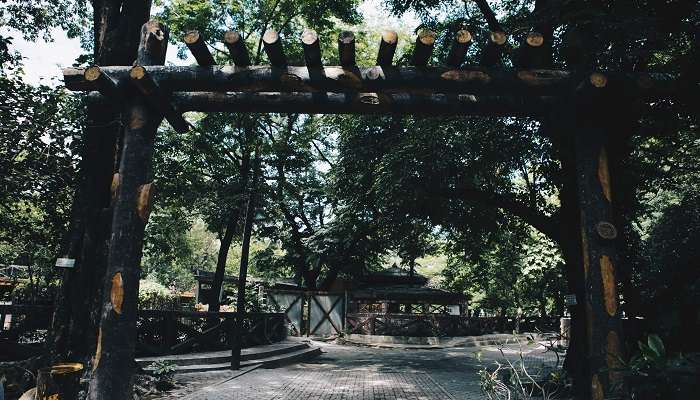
(582, 103)
(311, 313)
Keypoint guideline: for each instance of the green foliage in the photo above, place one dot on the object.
(40, 140)
(154, 296)
(163, 369)
(653, 373)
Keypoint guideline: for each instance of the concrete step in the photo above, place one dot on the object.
(221, 357)
(267, 362)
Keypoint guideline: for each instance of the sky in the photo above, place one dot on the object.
(43, 60)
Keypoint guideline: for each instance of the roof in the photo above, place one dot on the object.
(203, 276)
(208, 277)
(393, 276)
(409, 294)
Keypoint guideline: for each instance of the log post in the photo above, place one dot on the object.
(236, 48)
(460, 45)
(424, 48)
(312, 48)
(273, 48)
(494, 49)
(346, 48)
(592, 118)
(113, 364)
(532, 52)
(387, 48)
(198, 48)
(243, 271)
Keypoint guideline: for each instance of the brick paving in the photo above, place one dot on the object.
(360, 373)
(331, 385)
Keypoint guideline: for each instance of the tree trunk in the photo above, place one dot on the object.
(231, 230)
(243, 271)
(116, 39)
(113, 365)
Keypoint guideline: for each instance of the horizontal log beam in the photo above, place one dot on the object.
(358, 103)
(421, 80)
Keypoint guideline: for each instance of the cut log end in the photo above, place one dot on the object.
(271, 37)
(98, 351)
(117, 293)
(427, 37)
(598, 80)
(463, 36)
(144, 201)
(369, 98)
(137, 72)
(390, 37)
(155, 29)
(191, 37)
(498, 37)
(309, 37)
(346, 37)
(232, 37)
(116, 180)
(92, 73)
(534, 39)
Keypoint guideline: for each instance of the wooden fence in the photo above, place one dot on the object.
(440, 325)
(160, 331)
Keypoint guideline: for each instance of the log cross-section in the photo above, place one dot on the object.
(387, 47)
(272, 44)
(157, 98)
(236, 48)
(198, 48)
(423, 48)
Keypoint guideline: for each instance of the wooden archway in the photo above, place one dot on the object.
(582, 101)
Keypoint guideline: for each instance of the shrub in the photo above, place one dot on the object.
(153, 295)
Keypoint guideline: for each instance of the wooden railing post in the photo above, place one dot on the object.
(113, 364)
(170, 330)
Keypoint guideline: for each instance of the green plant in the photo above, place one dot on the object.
(153, 295)
(653, 373)
(163, 370)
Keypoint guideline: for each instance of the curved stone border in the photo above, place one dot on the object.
(431, 342)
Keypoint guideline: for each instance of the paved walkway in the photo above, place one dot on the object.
(360, 373)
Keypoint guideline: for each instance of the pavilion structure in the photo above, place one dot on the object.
(582, 102)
